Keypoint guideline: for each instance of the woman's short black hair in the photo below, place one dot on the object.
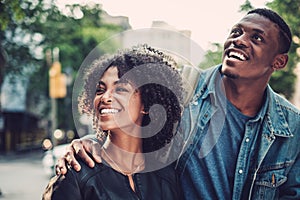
(157, 77)
(285, 35)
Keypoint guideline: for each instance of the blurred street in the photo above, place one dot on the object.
(22, 176)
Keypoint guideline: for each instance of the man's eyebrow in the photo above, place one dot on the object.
(237, 26)
(254, 29)
(259, 31)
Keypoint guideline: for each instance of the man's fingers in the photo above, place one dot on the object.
(71, 160)
(97, 158)
(75, 164)
(84, 149)
(96, 149)
(60, 167)
(86, 158)
(57, 170)
(77, 148)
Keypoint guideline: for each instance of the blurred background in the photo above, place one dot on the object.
(42, 46)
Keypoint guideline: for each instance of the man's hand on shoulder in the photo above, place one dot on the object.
(80, 147)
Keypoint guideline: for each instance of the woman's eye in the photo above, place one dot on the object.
(121, 89)
(100, 91)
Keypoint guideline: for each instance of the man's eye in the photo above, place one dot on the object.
(258, 38)
(236, 31)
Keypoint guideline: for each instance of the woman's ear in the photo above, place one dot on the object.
(280, 61)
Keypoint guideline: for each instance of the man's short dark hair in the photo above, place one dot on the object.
(285, 35)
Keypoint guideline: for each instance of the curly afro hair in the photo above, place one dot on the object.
(156, 76)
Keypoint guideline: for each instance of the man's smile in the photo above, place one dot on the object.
(232, 53)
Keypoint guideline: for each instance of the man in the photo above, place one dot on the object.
(241, 137)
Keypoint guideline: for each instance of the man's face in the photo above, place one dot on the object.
(250, 49)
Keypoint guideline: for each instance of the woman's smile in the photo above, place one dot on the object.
(106, 111)
(117, 103)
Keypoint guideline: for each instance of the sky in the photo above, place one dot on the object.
(208, 20)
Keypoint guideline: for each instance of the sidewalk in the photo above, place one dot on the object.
(22, 176)
(28, 155)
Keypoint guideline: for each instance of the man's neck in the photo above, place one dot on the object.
(247, 98)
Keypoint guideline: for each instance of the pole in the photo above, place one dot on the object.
(53, 121)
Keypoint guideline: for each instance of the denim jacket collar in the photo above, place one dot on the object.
(275, 118)
(208, 88)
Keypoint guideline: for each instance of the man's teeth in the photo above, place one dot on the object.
(237, 55)
(108, 111)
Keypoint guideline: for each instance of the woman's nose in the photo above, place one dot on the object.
(107, 97)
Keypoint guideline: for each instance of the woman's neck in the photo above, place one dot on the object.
(126, 160)
(125, 141)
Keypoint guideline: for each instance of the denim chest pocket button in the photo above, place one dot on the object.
(270, 179)
(267, 185)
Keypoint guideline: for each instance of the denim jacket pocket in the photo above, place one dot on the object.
(267, 184)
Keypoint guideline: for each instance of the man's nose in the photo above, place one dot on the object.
(241, 41)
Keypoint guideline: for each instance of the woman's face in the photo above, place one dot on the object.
(117, 104)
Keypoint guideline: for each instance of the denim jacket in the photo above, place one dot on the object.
(269, 167)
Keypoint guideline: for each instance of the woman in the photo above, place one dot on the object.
(135, 105)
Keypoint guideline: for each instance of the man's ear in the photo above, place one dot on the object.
(280, 61)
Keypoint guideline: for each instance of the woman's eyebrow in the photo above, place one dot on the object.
(101, 83)
(122, 81)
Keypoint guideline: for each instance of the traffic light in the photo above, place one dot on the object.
(57, 81)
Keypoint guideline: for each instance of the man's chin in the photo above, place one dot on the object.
(227, 70)
(229, 74)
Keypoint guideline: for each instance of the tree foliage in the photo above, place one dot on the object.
(29, 29)
(212, 56)
(284, 81)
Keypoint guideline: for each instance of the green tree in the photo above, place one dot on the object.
(30, 28)
(10, 10)
(284, 81)
(246, 6)
(212, 56)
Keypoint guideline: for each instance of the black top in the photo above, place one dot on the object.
(103, 182)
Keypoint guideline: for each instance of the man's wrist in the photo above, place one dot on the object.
(94, 138)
